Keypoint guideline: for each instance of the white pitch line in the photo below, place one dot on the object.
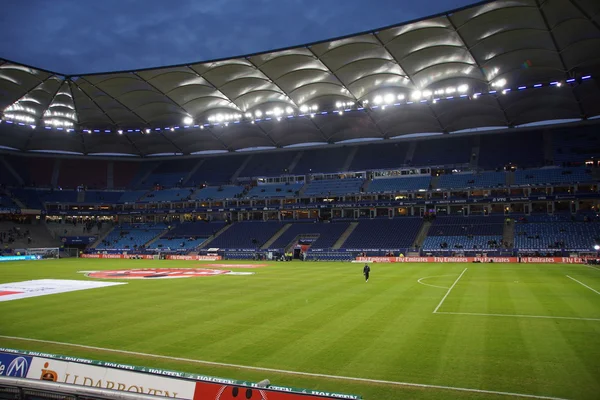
(517, 316)
(591, 266)
(583, 284)
(283, 371)
(427, 284)
(449, 290)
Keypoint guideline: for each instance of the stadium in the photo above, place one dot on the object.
(200, 231)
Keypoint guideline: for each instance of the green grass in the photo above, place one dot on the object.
(323, 318)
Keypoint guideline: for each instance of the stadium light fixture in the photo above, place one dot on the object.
(303, 108)
(427, 93)
(450, 90)
(596, 247)
(188, 120)
(388, 98)
(120, 131)
(172, 129)
(499, 83)
(463, 88)
(377, 100)
(148, 130)
(314, 107)
(289, 110)
(248, 115)
(258, 113)
(416, 95)
(338, 104)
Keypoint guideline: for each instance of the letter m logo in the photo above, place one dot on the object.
(18, 367)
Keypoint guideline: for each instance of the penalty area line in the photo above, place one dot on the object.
(449, 290)
(516, 316)
(583, 284)
(287, 372)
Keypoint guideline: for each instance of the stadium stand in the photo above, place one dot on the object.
(266, 165)
(406, 183)
(131, 236)
(488, 179)
(324, 234)
(397, 233)
(322, 160)
(124, 173)
(576, 145)
(169, 173)
(454, 233)
(246, 235)
(218, 193)
(379, 156)
(28, 197)
(76, 172)
(555, 232)
(168, 195)
(274, 190)
(132, 196)
(552, 175)
(326, 187)
(216, 170)
(102, 197)
(522, 149)
(442, 152)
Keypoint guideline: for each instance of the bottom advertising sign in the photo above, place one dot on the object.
(150, 257)
(143, 380)
(540, 260)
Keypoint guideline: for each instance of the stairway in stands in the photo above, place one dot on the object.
(508, 235)
(338, 244)
(210, 239)
(421, 237)
(276, 236)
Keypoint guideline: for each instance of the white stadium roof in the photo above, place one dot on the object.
(502, 63)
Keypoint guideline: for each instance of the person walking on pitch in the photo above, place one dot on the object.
(366, 271)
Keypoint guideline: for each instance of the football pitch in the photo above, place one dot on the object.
(414, 331)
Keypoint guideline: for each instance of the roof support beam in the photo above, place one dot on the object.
(358, 102)
(585, 14)
(453, 25)
(562, 60)
(412, 82)
(114, 98)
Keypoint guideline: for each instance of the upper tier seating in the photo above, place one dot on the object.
(327, 234)
(170, 195)
(246, 235)
(80, 171)
(472, 180)
(169, 173)
(218, 193)
(379, 156)
(275, 190)
(408, 183)
(29, 197)
(102, 197)
(268, 164)
(333, 187)
(397, 233)
(124, 173)
(216, 170)
(576, 144)
(442, 152)
(321, 160)
(132, 196)
(547, 176)
(525, 149)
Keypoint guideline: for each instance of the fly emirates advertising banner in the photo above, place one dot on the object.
(150, 381)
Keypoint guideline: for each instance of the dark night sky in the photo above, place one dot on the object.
(82, 36)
